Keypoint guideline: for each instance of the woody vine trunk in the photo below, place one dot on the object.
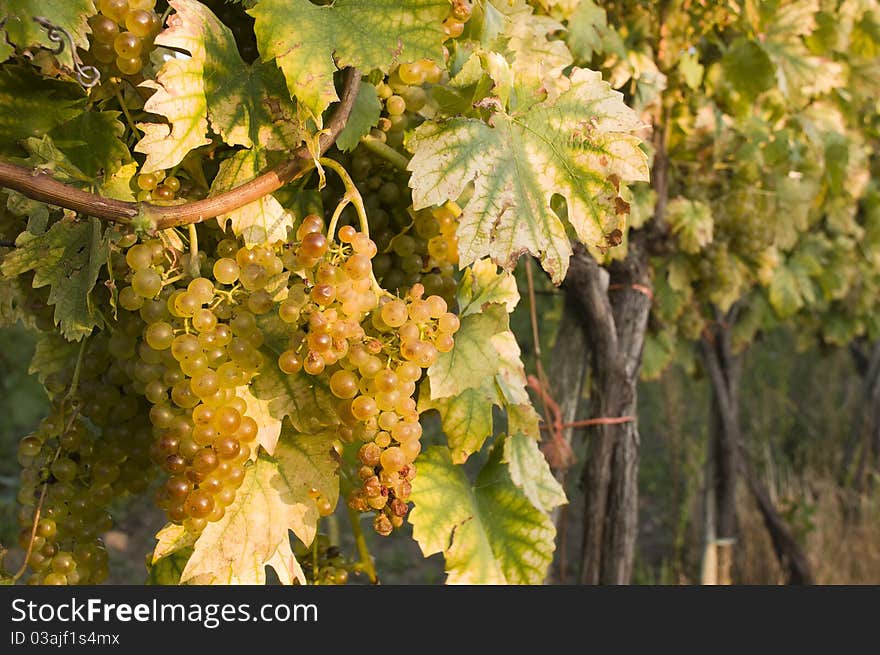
(615, 308)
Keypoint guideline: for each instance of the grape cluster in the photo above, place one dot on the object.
(122, 34)
(459, 14)
(156, 186)
(322, 562)
(65, 489)
(93, 448)
(412, 246)
(194, 350)
(371, 348)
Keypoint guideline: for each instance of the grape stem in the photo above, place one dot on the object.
(38, 184)
(366, 560)
(353, 196)
(193, 252)
(385, 151)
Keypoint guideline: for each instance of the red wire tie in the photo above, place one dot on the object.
(641, 288)
(556, 426)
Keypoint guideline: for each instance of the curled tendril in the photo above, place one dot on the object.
(87, 76)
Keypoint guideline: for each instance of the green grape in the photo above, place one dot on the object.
(127, 45)
(226, 270)
(395, 105)
(104, 29)
(130, 66)
(411, 73)
(115, 9)
(344, 384)
(146, 283)
(139, 22)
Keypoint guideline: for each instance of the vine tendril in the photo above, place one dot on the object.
(87, 76)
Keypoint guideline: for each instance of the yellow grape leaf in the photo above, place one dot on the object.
(481, 283)
(274, 498)
(269, 429)
(310, 42)
(580, 146)
(473, 359)
(488, 531)
(180, 93)
(530, 472)
(171, 539)
(258, 222)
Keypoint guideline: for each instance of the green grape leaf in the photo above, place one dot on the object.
(68, 258)
(302, 397)
(489, 532)
(43, 154)
(40, 106)
(37, 213)
(473, 359)
(364, 116)
(117, 184)
(530, 472)
(586, 29)
(93, 142)
(658, 353)
(748, 68)
(52, 354)
(784, 293)
(246, 105)
(691, 69)
(579, 146)
(167, 570)
(466, 418)
(261, 221)
(22, 31)
(310, 42)
(481, 284)
(273, 499)
(691, 222)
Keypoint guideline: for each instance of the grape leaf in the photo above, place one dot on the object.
(748, 68)
(530, 472)
(68, 258)
(784, 294)
(53, 353)
(538, 61)
(261, 221)
(40, 105)
(578, 146)
(93, 142)
(481, 283)
(309, 42)
(22, 31)
(246, 105)
(171, 539)
(273, 499)
(364, 116)
(305, 399)
(691, 222)
(167, 570)
(466, 418)
(473, 359)
(269, 427)
(489, 532)
(586, 28)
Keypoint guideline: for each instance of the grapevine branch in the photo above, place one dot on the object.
(39, 185)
